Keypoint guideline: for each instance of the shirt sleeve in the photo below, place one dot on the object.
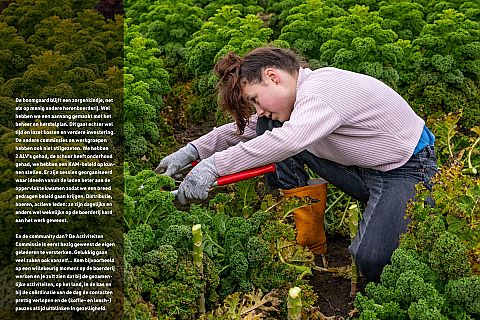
(311, 120)
(223, 137)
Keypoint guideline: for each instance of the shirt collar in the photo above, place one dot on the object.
(303, 73)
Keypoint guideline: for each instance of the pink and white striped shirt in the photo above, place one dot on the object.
(339, 115)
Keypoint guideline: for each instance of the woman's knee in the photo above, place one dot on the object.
(371, 261)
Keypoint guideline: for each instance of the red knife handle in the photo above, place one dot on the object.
(247, 174)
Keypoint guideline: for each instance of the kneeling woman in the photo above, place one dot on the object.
(352, 130)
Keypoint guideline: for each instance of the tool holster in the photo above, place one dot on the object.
(309, 220)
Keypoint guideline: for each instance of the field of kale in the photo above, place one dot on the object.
(234, 256)
(427, 51)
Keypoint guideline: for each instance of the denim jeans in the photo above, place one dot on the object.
(385, 194)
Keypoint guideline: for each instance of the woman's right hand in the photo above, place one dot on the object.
(171, 164)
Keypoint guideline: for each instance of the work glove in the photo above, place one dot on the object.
(198, 181)
(177, 160)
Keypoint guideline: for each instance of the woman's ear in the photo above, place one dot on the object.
(272, 74)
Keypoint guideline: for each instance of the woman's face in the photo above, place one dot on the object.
(274, 96)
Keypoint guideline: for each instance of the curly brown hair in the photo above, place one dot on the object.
(234, 71)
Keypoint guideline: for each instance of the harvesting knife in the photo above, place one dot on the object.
(188, 166)
(239, 176)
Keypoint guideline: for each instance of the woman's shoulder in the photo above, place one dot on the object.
(309, 80)
(328, 72)
(334, 80)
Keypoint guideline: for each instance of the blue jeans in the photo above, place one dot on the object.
(385, 194)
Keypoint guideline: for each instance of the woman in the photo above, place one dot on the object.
(350, 129)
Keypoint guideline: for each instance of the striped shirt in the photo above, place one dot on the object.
(342, 116)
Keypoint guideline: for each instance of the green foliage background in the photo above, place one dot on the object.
(427, 50)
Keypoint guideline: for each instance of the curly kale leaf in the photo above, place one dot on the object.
(165, 257)
(258, 251)
(465, 292)
(449, 257)
(136, 242)
(179, 237)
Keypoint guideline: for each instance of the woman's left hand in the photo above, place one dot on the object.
(198, 181)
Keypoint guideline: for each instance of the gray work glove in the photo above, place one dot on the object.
(198, 181)
(177, 160)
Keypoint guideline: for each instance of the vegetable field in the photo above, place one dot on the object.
(240, 260)
(234, 256)
(429, 51)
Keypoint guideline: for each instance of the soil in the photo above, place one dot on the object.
(184, 135)
(333, 292)
(190, 134)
